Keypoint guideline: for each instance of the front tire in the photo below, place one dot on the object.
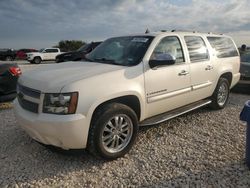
(37, 60)
(220, 95)
(113, 131)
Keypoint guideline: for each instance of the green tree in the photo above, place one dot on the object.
(69, 45)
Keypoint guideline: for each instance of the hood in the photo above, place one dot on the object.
(52, 78)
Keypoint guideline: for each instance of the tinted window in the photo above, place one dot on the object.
(51, 50)
(197, 48)
(224, 46)
(170, 45)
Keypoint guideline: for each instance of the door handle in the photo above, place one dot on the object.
(183, 73)
(209, 67)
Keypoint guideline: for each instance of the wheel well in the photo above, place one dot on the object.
(228, 76)
(37, 57)
(129, 100)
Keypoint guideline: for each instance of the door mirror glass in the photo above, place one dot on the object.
(161, 60)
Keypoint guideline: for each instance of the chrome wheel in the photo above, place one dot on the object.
(117, 133)
(222, 94)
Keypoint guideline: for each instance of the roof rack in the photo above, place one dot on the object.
(176, 30)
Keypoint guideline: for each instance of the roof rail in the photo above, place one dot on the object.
(175, 30)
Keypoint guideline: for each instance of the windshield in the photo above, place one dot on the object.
(41, 50)
(245, 58)
(126, 51)
(83, 48)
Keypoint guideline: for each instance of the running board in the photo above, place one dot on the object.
(174, 113)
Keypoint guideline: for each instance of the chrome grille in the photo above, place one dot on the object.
(27, 97)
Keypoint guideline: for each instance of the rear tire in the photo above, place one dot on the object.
(113, 131)
(37, 60)
(220, 95)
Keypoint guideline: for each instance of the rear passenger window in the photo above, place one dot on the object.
(197, 48)
(170, 45)
(223, 46)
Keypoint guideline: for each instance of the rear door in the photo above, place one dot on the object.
(51, 53)
(201, 67)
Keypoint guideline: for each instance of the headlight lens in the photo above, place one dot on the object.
(60, 103)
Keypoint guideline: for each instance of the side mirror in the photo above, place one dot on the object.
(161, 59)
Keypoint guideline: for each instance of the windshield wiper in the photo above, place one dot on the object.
(109, 61)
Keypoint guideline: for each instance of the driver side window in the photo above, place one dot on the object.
(170, 45)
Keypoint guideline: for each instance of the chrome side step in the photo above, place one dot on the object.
(174, 113)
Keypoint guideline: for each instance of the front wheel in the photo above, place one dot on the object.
(220, 95)
(113, 131)
(37, 60)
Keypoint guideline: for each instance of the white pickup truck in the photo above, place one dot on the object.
(45, 54)
(126, 82)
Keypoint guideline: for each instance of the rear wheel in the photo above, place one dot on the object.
(37, 60)
(113, 131)
(220, 95)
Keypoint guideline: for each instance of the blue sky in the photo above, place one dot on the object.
(42, 23)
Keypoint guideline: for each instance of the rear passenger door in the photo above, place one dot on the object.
(51, 53)
(201, 67)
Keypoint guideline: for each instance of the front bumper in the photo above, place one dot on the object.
(30, 58)
(64, 131)
(235, 79)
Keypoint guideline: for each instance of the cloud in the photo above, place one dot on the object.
(43, 23)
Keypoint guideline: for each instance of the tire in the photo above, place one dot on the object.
(220, 95)
(8, 58)
(37, 60)
(113, 131)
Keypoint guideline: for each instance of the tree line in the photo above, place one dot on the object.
(69, 45)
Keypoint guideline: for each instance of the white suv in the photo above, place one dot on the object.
(44, 54)
(124, 83)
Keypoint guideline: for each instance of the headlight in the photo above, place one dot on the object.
(63, 103)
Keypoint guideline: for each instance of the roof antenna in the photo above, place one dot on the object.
(147, 31)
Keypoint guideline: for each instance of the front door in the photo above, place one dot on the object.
(167, 87)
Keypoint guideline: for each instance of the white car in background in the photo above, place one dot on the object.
(126, 82)
(45, 54)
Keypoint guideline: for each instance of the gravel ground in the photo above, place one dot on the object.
(203, 148)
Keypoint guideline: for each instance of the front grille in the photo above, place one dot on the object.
(28, 103)
(28, 91)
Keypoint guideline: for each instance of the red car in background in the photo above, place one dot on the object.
(21, 54)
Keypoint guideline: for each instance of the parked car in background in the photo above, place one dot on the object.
(21, 54)
(126, 82)
(44, 54)
(7, 54)
(9, 74)
(245, 68)
(78, 54)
